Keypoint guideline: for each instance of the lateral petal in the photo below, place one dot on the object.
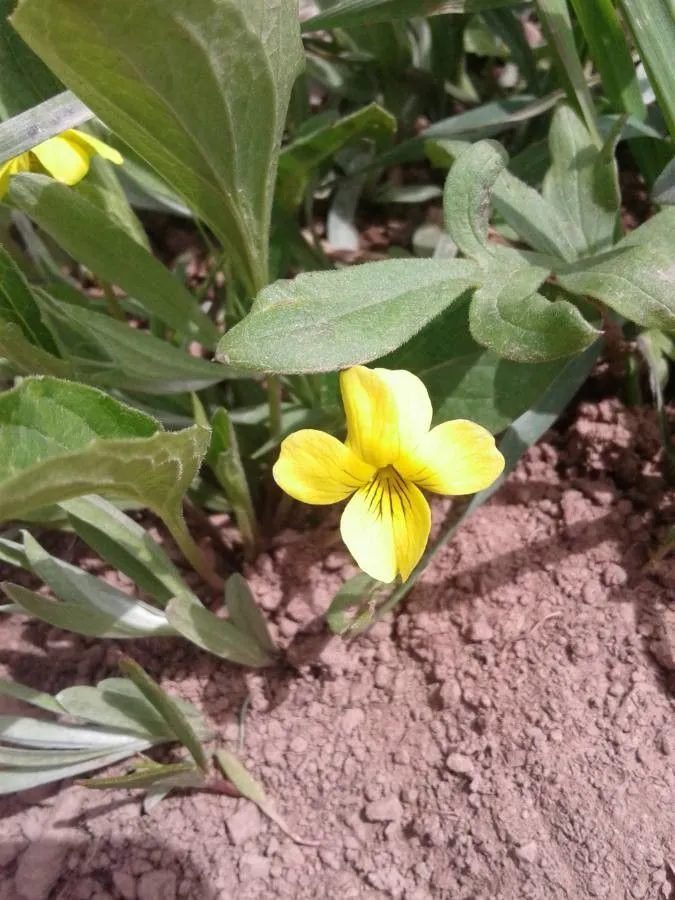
(385, 527)
(94, 145)
(388, 412)
(315, 467)
(12, 167)
(458, 457)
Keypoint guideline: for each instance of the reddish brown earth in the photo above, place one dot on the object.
(507, 734)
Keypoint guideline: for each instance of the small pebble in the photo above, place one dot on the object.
(479, 631)
(527, 853)
(459, 764)
(388, 809)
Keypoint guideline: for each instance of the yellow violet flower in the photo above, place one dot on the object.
(390, 453)
(65, 157)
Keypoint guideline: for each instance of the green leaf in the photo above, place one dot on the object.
(70, 616)
(225, 460)
(125, 545)
(172, 714)
(653, 28)
(23, 758)
(351, 606)
(245, 614)
(301, 158)
(25, 80)
(25, 358)
(582, 184)
(23, 779)
(27, 732)
(19, 307)
(611, 54)
(24, 131)
(60, 440)
(466, 197)
(323, 321)
(369, 12)
(108, 353)
(466, 381)
(92, 238)
(113, 709)
(535, 220)
(129, 617)
(168, 775)
(236, 773)
(510, 317)
(102, 188)
(30, 695)
(203, 628)
(219, 153)
(636, 280)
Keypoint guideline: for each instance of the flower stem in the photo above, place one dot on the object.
(274, 403)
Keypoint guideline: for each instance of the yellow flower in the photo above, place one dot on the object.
(65, 157)
(389, 454)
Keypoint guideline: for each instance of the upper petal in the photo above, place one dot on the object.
(386, 527)
(95, 145)
(388, 412)
(315, 467)
(458, 457)
(65, 160)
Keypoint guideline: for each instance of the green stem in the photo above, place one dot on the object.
(274, 403)
(114, 308)
(193, 553)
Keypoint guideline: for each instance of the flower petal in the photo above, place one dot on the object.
(93, 143)
(12, 167)
(388, 412)
(386, 526)
(315, 467)
(65, 160)
(458, 457)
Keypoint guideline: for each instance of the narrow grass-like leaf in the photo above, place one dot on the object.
(652, 25)
(349, 13)
(36, 125)
(26, 81)
(611, 54)
(323, 321)
(24, 358)
(203, 628)
(92, 238)
(555, 19)
(174, 717)
(18, 305)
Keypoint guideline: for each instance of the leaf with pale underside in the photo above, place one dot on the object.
(142, 66)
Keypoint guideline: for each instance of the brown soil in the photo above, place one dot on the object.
(508, 734)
